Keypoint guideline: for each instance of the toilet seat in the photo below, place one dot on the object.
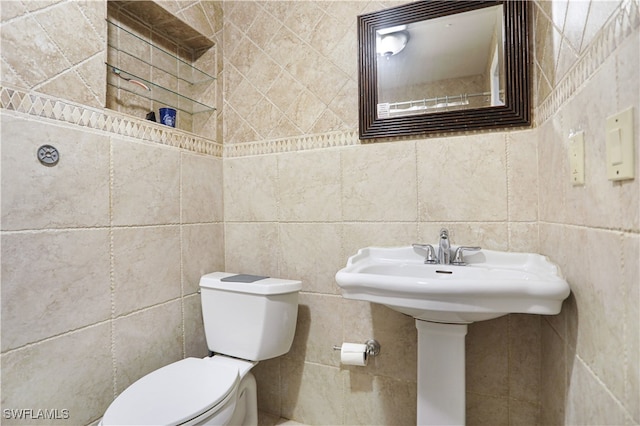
(174, 394)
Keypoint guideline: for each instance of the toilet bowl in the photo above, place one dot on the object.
(246, 319)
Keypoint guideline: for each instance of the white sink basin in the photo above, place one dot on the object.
(492, 284)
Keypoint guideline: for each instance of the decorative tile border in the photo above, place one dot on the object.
(609, 38)
(292, 144)
(39, 105)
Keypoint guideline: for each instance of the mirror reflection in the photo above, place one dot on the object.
(450, 63)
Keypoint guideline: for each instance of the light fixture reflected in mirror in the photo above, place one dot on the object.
(391, 41)
(392, 44)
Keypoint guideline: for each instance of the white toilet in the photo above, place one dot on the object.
(246, 319)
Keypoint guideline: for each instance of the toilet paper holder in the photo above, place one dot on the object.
(373, 347)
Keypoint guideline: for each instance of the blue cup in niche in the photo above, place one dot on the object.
(168, 116)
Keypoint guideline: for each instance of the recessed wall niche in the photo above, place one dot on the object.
(156, 60)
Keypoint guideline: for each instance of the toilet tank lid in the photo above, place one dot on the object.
(262, 285)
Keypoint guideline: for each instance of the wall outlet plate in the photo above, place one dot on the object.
(620, 149)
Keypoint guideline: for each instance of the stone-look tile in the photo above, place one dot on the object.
(588, 402)
(552, 171)
(53, 282)
(378, 400)
(146, 267)
(320, 319)
(195, 344)
(72, 372)
(367, 170)
(249, 248)
(523, 237)
(63, 23)
(524, 357)
(309, 186)
(628, 58)
(487, 357)
(598, 289)
(202, 253)
(459, 180)
(146, 341)
(202, 185)
(522, 172)
(598, 202)
(311, 253)
(359, 235)
(312, 393)
(268, 381)
(631, 275)
(250, 188)
(395, 332)
(486, 410)
(74, 193)
(522, 413)
(553, 377)
(146, 184)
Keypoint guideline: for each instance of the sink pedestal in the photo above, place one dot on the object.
(441, 373)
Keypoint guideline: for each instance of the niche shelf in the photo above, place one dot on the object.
(189, 80)
(155, 60)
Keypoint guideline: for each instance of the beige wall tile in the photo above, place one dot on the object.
(378, 400)
(202, 253)
(71, 372)
(201, 195)
(268, 379)
(522, 175)
(309, 186)
(260, 174)
(359, 235)
(146, 341)
(146, 267)
(249, 248)
(311, 253)
(74, 193)
(524, 357)
(60, 276)
(195, 344)
(369, 174)
(312, 392)
(459, 180)
(553, 377)
(319, 327)
(487, 357)
(486, 410)
(588, 402)
(631, 276)
(146, 184)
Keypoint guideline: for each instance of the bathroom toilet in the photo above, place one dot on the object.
(246, 319)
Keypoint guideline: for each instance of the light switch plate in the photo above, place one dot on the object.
(576, 158)
(620, 149)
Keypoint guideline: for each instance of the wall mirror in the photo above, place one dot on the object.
(442, 66)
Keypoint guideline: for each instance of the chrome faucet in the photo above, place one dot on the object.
(444, 248)
(443, 257)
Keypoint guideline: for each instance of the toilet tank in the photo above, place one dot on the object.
(248, 317)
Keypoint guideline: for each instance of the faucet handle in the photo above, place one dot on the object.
(430, 257)
(458, 258)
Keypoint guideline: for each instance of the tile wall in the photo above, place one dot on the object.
(504, 190)
(127, 205)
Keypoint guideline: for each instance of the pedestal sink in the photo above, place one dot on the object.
(444, 299)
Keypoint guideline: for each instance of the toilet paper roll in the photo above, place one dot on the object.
(353, 354)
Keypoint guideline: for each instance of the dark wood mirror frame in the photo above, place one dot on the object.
(517, 110)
